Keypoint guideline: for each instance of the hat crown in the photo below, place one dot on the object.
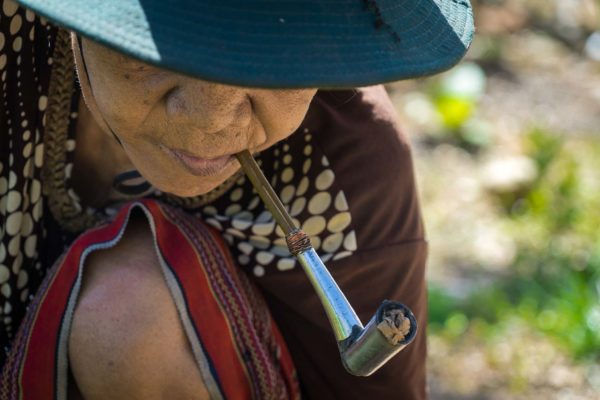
(277, 43)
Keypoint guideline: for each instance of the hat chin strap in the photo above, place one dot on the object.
(86, 87)
(127, 183)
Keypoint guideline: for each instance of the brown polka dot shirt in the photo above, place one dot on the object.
(345, 176)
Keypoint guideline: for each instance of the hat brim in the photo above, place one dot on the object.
(277, 43)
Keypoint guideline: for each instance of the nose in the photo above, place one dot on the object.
(208, 107)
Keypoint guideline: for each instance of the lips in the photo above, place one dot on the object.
(201, 166)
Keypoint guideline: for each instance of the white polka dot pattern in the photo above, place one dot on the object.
(25, 47)
(305, 182)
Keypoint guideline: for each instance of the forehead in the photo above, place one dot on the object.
(116, 63)
(101, 52)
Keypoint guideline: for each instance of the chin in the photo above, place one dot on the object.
(183, 184)
(188, 189)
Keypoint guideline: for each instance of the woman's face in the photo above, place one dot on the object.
(181, 133)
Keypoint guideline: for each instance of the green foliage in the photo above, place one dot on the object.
(454, 110)
(455, 97)
(551, 201)
(554, 282)
(543, 147)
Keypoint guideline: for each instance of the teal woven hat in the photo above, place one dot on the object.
(277, 43)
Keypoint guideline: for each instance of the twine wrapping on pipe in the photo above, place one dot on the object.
(297, 242)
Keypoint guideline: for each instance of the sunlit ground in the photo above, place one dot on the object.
(507, 149)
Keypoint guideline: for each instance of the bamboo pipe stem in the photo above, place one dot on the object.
(266, 192)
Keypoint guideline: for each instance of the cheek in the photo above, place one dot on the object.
(123, 109)
(124, 105)
(285, 114)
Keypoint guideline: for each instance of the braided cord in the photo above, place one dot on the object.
(64, 207)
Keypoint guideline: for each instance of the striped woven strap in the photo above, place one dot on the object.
(238, 349)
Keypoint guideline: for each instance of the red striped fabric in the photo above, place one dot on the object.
(237, 346)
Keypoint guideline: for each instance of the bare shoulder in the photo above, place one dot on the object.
(126, 339)
(132, 260)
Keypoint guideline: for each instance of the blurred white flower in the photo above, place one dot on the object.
(508, 173)
(592, 46)
(467, 80)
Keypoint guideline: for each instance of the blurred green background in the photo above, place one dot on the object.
(507, 148)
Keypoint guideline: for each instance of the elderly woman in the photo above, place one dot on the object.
(136, 260)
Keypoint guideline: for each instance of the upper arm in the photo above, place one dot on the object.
(372, 162)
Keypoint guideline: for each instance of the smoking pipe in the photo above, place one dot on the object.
(363, 349)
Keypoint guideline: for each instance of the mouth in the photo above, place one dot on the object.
(199, 166)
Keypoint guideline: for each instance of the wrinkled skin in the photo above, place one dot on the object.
(161, 117)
